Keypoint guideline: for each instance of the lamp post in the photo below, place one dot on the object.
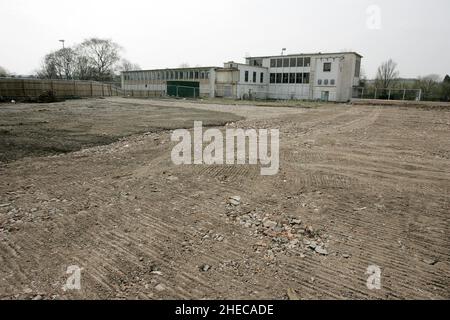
(62, 41)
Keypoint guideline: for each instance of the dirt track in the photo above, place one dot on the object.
(371, 185)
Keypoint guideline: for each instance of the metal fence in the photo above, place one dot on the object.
(12, 88)
(387, 93)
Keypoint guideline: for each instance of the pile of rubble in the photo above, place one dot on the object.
(280, 234)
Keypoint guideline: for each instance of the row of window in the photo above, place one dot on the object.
(290, 62)
(261, 76)
(166, 75)
(325, 82)
(290, 77)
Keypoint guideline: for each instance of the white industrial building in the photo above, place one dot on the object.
(319, 76)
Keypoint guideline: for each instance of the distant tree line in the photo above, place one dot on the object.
(93, 59)
(388, 77)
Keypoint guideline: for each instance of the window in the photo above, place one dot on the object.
(254, 77)
(279, 77)
(261, 77)
(327, 67)
(191, 75)
(285, 77)
(272, 78)
(332, 82)
(207, 75)
(319, 82)
(181, 74)
(279, 63)
(196, 74)
(246, 76)
(293, 62)
(298, 78)
(358, 67)
(325, 82)
(299, 62)
(307, 62)
(256, 62)
(306, 77)
(286, 63)
(273, 63)
(291, 77)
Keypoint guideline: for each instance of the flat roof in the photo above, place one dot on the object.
(173, 69)
(307, 54)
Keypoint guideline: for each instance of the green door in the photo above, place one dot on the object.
(185, 89)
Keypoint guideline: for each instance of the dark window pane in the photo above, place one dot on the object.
(285, 77)
(299, 62)
(272, 78)
(307, 62)
(293, 62)
(273, 63)
(306, 77)
(327, 67)
(254, 76)
(246, 76)
(292, 78)
(279, 63)
(261, 77)
(286, 63)
(299, 78)
(278, 77)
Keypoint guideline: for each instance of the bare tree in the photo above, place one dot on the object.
(3, 72)
(387, 74)
(94, 59)
(103, 55)
(126, 65)
(430, 86)
(60, 64)
(83, 69)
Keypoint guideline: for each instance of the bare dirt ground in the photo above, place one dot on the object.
(358, 186)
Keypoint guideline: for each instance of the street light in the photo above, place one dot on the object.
(283, 50)
(62, 41)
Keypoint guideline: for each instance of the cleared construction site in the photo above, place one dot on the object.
(90, 183)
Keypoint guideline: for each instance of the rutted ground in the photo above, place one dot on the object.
(357, 186)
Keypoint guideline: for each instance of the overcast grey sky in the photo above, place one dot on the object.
(160, 34)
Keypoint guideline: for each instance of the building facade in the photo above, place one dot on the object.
(320, 76)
